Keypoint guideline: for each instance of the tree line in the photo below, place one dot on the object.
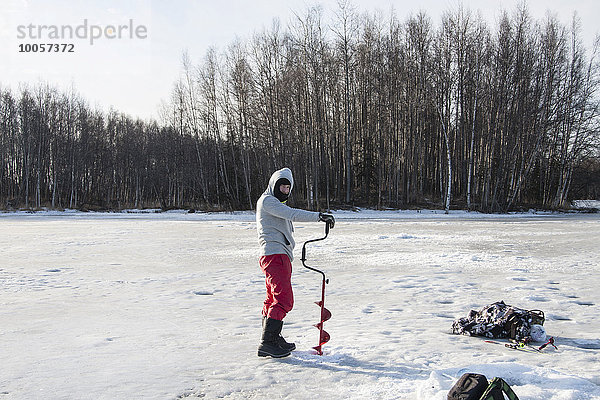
(366, 109)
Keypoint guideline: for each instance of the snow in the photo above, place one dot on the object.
(587, 204)
(167, 305)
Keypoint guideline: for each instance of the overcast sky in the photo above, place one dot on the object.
(133, 75)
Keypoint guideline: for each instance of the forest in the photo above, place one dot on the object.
(367, 109)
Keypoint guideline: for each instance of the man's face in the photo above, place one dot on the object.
(285, 189)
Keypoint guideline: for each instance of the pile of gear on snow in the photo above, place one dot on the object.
(497, 321)
(501, 321)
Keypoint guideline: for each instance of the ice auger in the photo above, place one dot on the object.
(325, 313)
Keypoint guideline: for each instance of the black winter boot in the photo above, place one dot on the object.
(284, 344)
(269, 342)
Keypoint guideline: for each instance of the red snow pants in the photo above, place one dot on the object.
(278, 280)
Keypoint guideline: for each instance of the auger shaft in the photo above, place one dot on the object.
(325, 313)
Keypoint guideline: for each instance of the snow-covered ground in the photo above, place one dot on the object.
(167, 306)
(587, 204)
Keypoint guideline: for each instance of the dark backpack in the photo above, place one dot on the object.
(518, 322)
(472, 386)
(497, 389)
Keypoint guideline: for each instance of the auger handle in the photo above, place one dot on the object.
(311, 241)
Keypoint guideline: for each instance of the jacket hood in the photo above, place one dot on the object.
(282, 173)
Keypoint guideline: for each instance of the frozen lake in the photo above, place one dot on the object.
(167, 306)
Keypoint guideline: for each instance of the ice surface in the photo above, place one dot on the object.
(167, 305)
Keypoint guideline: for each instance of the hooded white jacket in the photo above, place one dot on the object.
(274, 219)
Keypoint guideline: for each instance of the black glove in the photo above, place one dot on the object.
(327, 218)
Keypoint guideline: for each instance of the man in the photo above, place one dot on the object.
(275, 235)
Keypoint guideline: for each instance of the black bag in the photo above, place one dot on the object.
(472, 386)
(468, 387)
